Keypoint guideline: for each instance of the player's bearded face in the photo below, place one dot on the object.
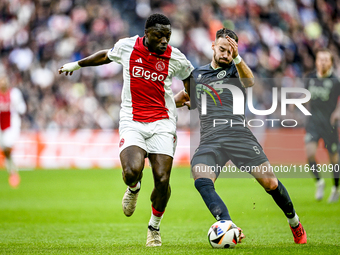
(323, 61)
(222, 52)
(3, 83)
(157, 38)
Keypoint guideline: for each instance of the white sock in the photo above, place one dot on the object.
(136, 187)
(11, 169)
(294, 222)
(155, 221)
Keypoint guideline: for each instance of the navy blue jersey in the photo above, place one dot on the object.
(219, 101)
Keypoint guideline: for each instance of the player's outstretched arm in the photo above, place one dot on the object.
(183, 97)
(96, 59)
(245, 74)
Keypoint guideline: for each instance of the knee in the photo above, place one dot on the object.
(131, 174)
(7, 152)
(311, 158)
(310, 154)
(270, 184)
(162, 183)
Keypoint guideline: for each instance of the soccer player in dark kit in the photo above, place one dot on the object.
(324, 87)
(221, 143)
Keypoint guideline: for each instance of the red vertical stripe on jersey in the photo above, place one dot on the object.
(5, 107)
(148, 72)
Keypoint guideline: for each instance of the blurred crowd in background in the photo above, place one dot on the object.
(277, 39)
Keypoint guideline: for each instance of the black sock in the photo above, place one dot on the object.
(336, 174)
(282, 199)
(152, 228)
(214, 203)
(313, 169)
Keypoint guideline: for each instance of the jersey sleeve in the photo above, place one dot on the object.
(115, 54)
(184, 66)
(17, 101)
(193, 92)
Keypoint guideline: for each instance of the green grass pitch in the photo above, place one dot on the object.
(79, 212)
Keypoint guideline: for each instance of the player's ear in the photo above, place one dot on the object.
(213, 45)
(147, 31)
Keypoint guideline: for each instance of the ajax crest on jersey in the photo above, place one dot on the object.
(160, 66)
(222, 234)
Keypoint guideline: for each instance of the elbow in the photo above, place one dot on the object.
(248, 82)
(251, 83)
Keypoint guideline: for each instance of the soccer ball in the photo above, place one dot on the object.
(222, 234)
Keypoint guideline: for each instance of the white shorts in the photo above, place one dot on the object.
(157, 137)
(8, 137)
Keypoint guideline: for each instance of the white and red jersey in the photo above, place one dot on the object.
(146, 94)
(11, 105)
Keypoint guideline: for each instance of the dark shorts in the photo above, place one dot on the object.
(328, 134)
(243, 152)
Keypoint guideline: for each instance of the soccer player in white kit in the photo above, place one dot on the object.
(11, 105)
(148, 115)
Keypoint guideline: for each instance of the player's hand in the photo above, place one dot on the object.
(181, 99)
(233, 45)
(187, 104)
(335, 117)
(69, 68)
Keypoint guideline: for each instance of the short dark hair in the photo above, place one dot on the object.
(325, 50)
(156, 18)
(223, 32)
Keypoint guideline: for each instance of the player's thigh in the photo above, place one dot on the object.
(132, 147)
(246, 153)
(131, 133)
(312, 138)
(132, 159)
(9, 137)
(331, 144)
(207, 163)
(161, 165)
(333, 157)
(331, 140)
(163, 139)
(311, 148)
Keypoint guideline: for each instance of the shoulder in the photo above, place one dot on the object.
(202, 68)
(200, 71)
(334, 76)
(182, 64)
(121, 46)
(336, 80)
(176, 54)
(126, 42)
